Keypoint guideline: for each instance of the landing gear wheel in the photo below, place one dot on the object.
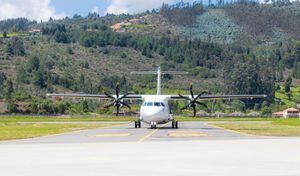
(153, 126)
(173, 124)
(137, 124)
(176, 124)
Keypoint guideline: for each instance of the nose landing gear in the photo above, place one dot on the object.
(174, 124)
(137, 124)
(153, 125)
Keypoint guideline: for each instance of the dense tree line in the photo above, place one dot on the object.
(15, 46)
(188, 53)
(184, 14)
(262, 19)
(14, 25)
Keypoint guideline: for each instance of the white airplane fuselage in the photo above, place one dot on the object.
(155, 109)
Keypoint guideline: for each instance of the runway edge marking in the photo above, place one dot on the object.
(233, 131)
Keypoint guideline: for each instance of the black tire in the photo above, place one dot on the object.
(176, 124)
(135, 124)
(139, 124)
(173, 124)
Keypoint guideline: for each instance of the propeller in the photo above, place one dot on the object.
(117, 101)
(193, 100)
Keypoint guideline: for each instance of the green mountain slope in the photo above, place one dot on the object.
(236, 48)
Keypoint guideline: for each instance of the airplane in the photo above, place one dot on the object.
(155, 109)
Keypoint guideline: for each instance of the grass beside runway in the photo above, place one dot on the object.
(11, 130)
(276, 127)
(85, 118)
(19, 127)
(103, 118)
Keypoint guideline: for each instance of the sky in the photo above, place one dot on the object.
(42, 10)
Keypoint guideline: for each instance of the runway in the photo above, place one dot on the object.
(195, 149)
(188, 131)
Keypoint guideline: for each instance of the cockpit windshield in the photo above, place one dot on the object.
(154, 104)
(148, 104)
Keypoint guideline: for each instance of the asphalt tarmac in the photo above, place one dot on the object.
(194, 149)
(188, 131)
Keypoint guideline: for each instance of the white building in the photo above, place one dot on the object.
(290, 112)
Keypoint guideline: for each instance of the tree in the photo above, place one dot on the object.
(11, 107)
(15, 47)
(33, 64)
(2, 80)
(85, 106)
(238, 105)
(287, 85)
(38, 79)
(9, 89)
(4, 34)
(22, 76)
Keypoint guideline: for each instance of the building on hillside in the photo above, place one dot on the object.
(290, 112)
(34, 31)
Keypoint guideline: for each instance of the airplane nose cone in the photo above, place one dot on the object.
(152, 112)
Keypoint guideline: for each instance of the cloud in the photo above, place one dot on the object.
(136, 6)
(31, 9)
(95, 10)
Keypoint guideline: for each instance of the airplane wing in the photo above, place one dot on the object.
(218, 97)
(94, 96)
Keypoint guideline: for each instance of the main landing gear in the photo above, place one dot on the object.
(153, 125)
(174, 124)
(137, 124)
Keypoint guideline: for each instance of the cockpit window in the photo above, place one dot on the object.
(154, 103)
(148, 104)
(157, 104)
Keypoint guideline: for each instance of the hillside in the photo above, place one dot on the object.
(242, 47)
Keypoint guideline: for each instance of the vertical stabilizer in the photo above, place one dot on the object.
(159, 73)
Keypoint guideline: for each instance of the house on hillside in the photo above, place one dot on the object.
(290, 112)
(34, 31)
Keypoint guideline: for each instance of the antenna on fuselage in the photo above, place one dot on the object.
(159, 73)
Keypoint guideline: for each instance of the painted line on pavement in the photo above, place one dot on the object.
(144, 138)
(186, 134)
(233, 131)
(113, 135)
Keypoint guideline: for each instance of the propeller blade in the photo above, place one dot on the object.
(109, 105)
(202, 104)
(181, 96)
(186, 106)
(202, 93)
(124, 96)
(191, 91)
(125, 104)
(108, 95)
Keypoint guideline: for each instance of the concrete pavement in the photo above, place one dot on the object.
(188, 131)
(194, 149)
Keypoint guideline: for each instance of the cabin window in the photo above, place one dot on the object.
(162, 104)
